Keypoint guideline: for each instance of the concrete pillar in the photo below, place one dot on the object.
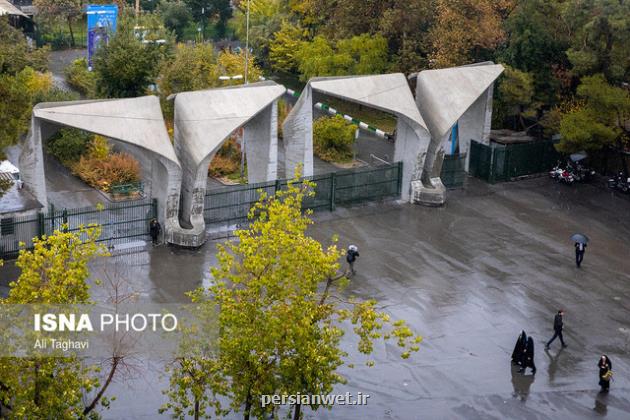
(32, 159)
(261, 145)
(475, 123)
(410, 148)
(298, 135)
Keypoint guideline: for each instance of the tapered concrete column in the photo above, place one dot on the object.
(261, 145)
(298, 135)
(136, 122)
(204, 120)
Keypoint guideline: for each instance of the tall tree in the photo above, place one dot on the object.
(278, 292)
(67, 10)
(54, 272)
(600, 120)
(176, 16)
(600, 38)
(467, 30)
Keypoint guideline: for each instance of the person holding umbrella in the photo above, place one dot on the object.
(580, 247)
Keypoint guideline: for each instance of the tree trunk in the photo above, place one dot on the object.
(196, 408)
(248, 406)
(71, 33)
(100, 393)
(297, 412)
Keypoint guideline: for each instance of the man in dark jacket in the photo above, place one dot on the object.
(557, 327)
(351, 257)
(154, 230)
(580, 249)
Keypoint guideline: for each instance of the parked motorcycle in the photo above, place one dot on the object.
(556, 171)
(619, 182)
(566, 177)
(581, 173)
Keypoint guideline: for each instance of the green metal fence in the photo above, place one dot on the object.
(119, 223)
(497, 163)
(453, 174)
(230, 205)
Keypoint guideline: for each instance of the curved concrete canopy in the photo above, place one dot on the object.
(204, 119)
(444, 95)
(387, 92)
(137, 121)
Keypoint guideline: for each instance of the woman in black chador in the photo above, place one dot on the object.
(519, 348)
(528, 357)
(604, 367)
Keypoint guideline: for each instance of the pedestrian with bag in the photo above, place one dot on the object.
(605, 372)
(528, 357)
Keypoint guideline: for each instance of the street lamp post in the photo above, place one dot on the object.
(247, 44)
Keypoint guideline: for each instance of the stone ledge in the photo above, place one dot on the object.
(431, 197)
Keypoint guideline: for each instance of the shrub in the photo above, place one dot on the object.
(333, 138)
(116, 169)
(227, 160)
(80, 78)
(99, 148)
(68, 145)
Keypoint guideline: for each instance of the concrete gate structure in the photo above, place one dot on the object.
(136, 121)
(457, 96)
(388, 93)
(204, 120)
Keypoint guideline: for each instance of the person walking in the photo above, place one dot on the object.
(154, 230)
(528, 357)
(605, 372)
(519, 348)
(558, 325)
(580, 249)
(351, 256)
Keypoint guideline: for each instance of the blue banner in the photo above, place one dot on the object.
(101, 24)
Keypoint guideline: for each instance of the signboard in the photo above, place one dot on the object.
(101, 22)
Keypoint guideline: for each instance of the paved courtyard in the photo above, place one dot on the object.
(468, 277)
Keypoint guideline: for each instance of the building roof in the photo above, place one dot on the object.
(7, 8)
(206, 118)
(137, 121)
(444, 95)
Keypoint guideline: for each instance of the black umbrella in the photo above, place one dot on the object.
(579, 238)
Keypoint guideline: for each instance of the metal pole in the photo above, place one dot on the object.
(247, 45)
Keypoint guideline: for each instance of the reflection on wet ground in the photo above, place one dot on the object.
(469, 277)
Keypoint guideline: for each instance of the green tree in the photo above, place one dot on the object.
(176, 16)
(283, 49)
(15, 110)
(80, 78)
(54, 272)
(333, 138)
(536, 44)
(278, 292)
(600, 38)
(125, 67)
(362, 54)
(515, 95)
(218, 10)
(67, 10)
(600, 120)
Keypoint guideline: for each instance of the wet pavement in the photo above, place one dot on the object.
(468, 277)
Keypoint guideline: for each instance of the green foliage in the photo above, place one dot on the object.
(126, 67)
(600, 42)
(115, 169)
(227, 161)
(279, 320)
(333, 138)
(515, 93)
(80, 78)
(600, 121)
(362, 54)
(68, 145)
(15, 110)
(5, 185)
(14, 52)
(176, 16)
(65, 10)
(99, 148)
(283, 50)
(54, 272)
